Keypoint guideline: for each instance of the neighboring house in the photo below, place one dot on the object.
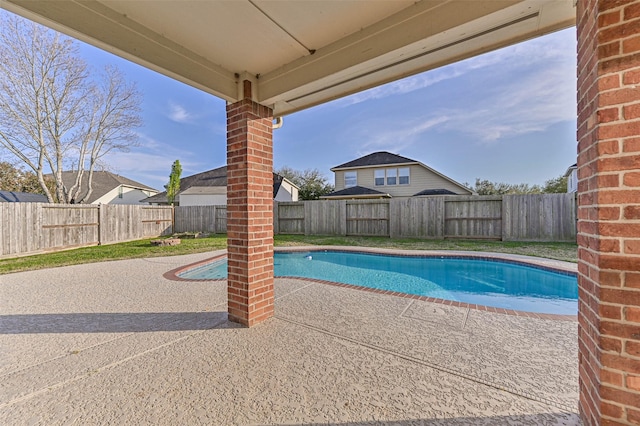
(572, 178)
(284, 189)
(385, 175)
(109, 188)
(21, 197)
(210, 188)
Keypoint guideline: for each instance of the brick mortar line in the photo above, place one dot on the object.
(433, 366)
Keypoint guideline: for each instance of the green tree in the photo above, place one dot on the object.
(486, 187)
(556, 185)
(15, 179)
(551, 186)
(173, 187)
(311, 183)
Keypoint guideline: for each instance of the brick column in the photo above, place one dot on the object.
(249, 212)
(609, 210)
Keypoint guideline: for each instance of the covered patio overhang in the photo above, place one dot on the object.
(268, 59)
(297, 53)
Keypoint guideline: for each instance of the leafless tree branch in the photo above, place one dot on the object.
(56, 115)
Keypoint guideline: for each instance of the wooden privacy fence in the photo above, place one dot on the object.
(544, 217)
(37, 227)
(540, 217)
(211, 219)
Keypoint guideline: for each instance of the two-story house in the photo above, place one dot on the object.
(385, 175)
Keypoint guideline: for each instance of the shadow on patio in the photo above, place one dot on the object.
(112, 322)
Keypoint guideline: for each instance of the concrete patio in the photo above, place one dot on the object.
(116, 343)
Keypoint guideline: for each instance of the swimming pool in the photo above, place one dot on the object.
(488, 282)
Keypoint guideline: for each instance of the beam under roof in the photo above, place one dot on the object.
(297, 54)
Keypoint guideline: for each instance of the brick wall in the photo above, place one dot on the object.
(609, 210)
(249, 212)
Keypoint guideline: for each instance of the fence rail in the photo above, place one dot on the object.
(211, 219)
(545, 217)
(36, 227)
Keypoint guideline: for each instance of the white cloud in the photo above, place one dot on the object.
(538, 91)
(531, 102)
(179, 114)
(395, 137)
(150, 162)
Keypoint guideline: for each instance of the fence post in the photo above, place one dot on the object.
(505, 223)
(306, 222)
(173, 218)
(3, 220)
(100, 224)
(342, 211)
(276, 220)
(215, 219)
(443, 217)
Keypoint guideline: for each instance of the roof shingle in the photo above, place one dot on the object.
(21, 197)
(101, 183)
(356, 191)
(375, 159)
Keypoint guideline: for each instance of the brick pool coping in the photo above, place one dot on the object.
(540, 263)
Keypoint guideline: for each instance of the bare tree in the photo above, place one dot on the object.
(55, 113)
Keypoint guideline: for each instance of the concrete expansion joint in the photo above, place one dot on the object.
(466, 317)
(74, 352)
(404, 311)
(90, 372)
(462, 326)
(549, 402)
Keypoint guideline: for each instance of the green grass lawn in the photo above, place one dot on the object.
(142, 248)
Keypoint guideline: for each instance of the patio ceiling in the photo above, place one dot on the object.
(297, 53)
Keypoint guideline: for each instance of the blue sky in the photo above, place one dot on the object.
(509, 116)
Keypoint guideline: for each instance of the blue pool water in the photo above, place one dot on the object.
(483, 282)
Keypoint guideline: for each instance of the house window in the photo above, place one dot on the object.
(119, 192)
(403, 176)
(350, 179)
(379, 177)
(392, 176)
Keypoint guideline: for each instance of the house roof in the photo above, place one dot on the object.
(384, 158)
(379, 158)
(205, 190)
(213, 177)
(434, 192)
(102, 183)
(21, 197)
(277, 183)
(198, 184)
(357, 192)
(570, 169)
